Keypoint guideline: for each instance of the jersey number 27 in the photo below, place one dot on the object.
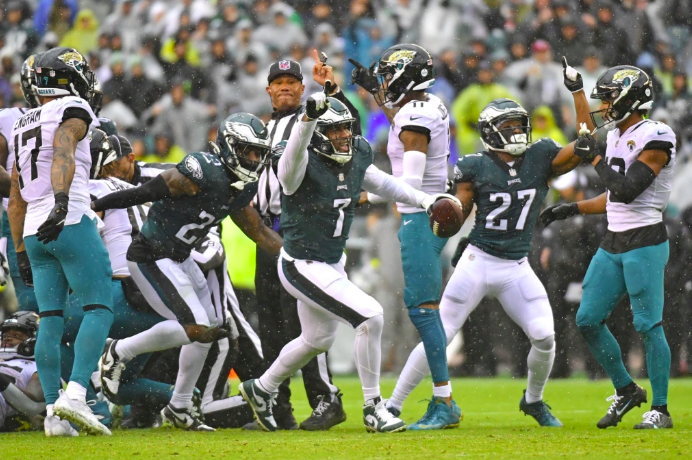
(494, 222)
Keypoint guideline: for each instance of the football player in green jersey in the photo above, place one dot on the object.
(507, 182)
(321, 172)
(189, 200)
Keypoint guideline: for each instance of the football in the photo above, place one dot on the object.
(446, 218)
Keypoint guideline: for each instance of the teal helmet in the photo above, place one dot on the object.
(239, 136)
(337, 115)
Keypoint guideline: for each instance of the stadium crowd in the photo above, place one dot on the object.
(172, 70)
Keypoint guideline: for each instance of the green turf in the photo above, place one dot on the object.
(492, 427)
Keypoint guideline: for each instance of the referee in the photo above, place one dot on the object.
(277, 309)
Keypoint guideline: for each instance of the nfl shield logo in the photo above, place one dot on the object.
(341, 177)
(512, 172)
(284, 65)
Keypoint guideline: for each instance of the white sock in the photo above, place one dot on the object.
(191, 362)
(414, 371)
(296, 354)
(368, 355)
(540, 362)
(162, 336)
(76, 391)
(443, 391)
(49, 410)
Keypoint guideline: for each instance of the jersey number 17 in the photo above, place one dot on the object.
(26, 136)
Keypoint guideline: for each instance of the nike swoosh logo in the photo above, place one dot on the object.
(582, 148)
(260, 404)
(371, 420)
(415, 118)
(620, 412)
(659, 132)
(406, 222)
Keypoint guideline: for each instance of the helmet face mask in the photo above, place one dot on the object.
(401, 69)
(27, 78)
(18, 336)
(102, 150)
(624, 90)
(243, 146)
(500, 136)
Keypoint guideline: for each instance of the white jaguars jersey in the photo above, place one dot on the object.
(429, 116)
(34, 157)
(623, 150)
(7, 119)
(21, 371)
(120, 226)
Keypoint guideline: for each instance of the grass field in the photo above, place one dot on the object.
(492, 427)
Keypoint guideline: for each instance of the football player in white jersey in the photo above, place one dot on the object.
(20, 389)
(418, 148)
(55, 231)
(637, 169)
(25, 294)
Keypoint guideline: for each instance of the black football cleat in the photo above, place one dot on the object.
(328, 413)
(622, 405)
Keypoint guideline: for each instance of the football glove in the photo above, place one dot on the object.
(461, 247)
(363, 77)
(25, 268)
(572, 78)
(558, 212)
(317, 105)
(431, 199)
(4, 270)
(586, 147)
(51, 228)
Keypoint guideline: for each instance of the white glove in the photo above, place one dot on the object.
(431, 199)
(4, 270)
(316, 105)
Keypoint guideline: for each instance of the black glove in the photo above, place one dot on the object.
(316, 106)
(25, 268)
(573, 85)
(51, 228)
(586, 147)
(363, 77)
(461, 247)
(558, 212)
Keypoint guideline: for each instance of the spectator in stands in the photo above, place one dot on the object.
(538, 78)
(227, 22)
(610, 37)
(127, 20)
(572, 42)
(590, 70)
(42, 15)
(543, 124)
(165, 151)
(60, 19)
(116, 83)
(243, 43)
(139, 92)
(84, 35)
(20, 36)
(7, 64)
(281, 33)
(250, 88)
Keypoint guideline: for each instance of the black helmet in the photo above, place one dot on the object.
(405, 68)
(106, 149)
(625, 88)
(64, 72)
(238, 133)
(496, 113)
(338, 114)
(96, 100)
(27, 78)
(23, 321)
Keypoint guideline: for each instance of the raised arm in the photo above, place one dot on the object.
(250, 222)
(294, 160)
(170, 183)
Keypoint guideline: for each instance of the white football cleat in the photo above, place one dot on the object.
(80, 414)
(110, 366)
(53, 426)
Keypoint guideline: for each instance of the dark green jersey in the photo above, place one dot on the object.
(508, 198)
(317, 217)
(174, 225)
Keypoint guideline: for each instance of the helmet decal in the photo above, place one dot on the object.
(401, 58)
(626, 76)
(74, 60)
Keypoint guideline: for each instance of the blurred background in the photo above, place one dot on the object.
(171, 70)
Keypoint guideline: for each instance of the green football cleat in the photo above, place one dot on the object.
(378, 419)
(439, 416)
(540, 411)
(654, 420)
(261, 402)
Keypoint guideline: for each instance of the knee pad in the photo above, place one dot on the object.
(546, 344)
(540, 329)
(320, 341)
(587, 317)
(372, 326)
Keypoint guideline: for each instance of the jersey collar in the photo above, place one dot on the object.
(504, 166)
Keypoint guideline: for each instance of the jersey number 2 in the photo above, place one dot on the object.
(492, 221)
(27, 135)
(185, 229)
(340, 203)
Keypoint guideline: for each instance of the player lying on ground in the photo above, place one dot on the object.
(637, 170)
(322, 171)
(189, 200)
(507, 182)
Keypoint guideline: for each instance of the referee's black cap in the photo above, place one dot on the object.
(285, 67)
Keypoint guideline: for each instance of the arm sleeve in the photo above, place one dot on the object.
(294, 161)
(628, 187)
(391, 188)
(352, 108)
(154, 190)
(414, 168)
(18, 399)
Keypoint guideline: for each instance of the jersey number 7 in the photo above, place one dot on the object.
(26, 136)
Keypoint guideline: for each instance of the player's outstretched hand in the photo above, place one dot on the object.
(586, 147)
(51, 228)
(572, 77)
(25, 268)
(363, 77)
(431, 199)
(317, 104)
(558, 212)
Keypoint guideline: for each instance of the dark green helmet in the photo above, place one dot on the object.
(108, 126)
(337, 116)
(506, 140)
(239, 136)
